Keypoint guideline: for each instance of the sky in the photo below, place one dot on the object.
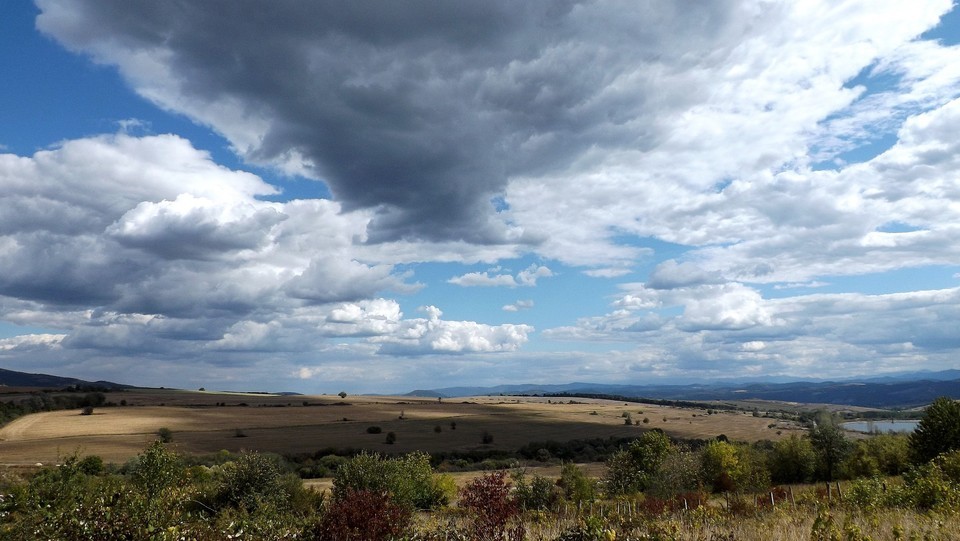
(376, 196)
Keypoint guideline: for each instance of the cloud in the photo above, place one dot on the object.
(728, 306)
(483, 279)
(433, 335)
(424, 125)
(670, 274)
(25, 344)
(607, 272)
(334, 279)
(518, 306)
(718, 152)
(136, 242)
(423, 122)
(730, 329)
(525, 278)
(193, 228)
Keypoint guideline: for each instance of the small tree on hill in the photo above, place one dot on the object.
(830, 445)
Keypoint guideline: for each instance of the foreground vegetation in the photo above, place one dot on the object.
(160, 497)
(654, 488)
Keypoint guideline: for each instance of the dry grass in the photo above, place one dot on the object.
(283, 424)
(785, 524)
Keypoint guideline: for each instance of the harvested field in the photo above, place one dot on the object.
(206, 422)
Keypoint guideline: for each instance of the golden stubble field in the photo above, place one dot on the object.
(283, 424)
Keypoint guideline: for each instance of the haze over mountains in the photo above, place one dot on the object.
(904, 390)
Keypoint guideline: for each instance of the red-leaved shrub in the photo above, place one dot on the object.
(491, 509)
(363, 515)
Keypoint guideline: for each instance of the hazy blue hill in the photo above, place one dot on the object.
(11, 378)
(898, 391)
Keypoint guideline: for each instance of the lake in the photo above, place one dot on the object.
(906, 425)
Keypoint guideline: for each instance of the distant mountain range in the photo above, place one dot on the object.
(904, 390)
(11, 378)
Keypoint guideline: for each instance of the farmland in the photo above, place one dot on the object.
(647, 488)
(206, 422)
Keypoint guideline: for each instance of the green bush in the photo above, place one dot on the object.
(934, 485)
(156, 470)
(409, 480)
(678, 473)
(576, 486)
(254, 482)
(630, 469)
(869, 493)
(538, 495)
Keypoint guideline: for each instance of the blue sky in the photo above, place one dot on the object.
(382, 197)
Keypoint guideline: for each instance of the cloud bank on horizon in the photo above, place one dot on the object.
(558, 191)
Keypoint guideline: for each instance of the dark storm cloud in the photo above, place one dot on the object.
(421, 110)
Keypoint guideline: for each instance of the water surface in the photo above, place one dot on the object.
(880, 427)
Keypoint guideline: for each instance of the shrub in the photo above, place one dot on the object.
(91, 465)
(867, 493)
(165, 435)
(409, 480)
(486, 438)
(374, 430)
(678, 472)
(629, 469)
(391, 438)
(363, 515)
(576, 486)
(87, 410)
(934, 485)
(156, 470)
(252, 482)
(538, 495)
(490, 509)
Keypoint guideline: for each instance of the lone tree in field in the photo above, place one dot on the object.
(938, 431)
(342, 394)
(829, 444)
